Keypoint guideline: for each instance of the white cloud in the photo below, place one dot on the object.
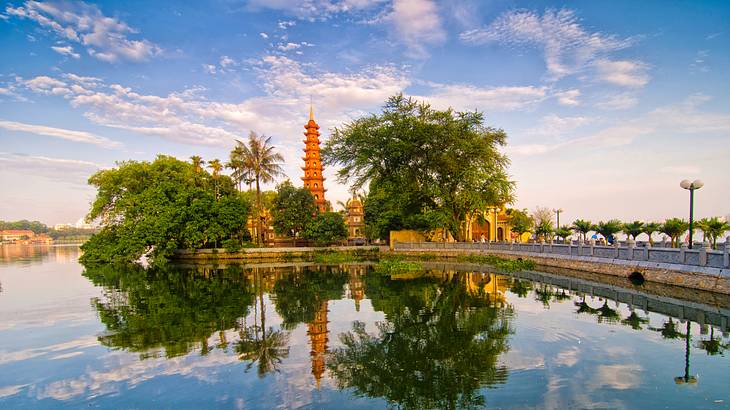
(66, 50)
(417, 24)
(567, 47)
(70, 135)
(621, 101)
(59, 169)
(312, 10)
(568, 97)
(286, 24)
(288, 46)
(683, 118)
(105, 38)
(468, 97)
(556, 126)
(264, 35)
(624, 73)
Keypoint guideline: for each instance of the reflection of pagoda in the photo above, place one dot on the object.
(317, 331)
(356, 286)
(313, 179)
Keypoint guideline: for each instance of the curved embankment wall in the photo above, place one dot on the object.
(677, 275)
(272, 254)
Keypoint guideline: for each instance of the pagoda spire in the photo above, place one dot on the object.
(313, 179)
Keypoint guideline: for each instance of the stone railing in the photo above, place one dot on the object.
(702, 256)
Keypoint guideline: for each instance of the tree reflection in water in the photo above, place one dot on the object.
(172, 309)
(438, 347)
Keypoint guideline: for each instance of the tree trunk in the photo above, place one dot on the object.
(258, 211)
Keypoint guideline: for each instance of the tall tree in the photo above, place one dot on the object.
(543, 218)
(442, 165)
(265, 164)
(215, 166)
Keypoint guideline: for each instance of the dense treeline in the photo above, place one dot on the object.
(35, 226)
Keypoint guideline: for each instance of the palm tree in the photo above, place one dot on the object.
(651, 227)
(197, 163)
(609, 228)
(215, 166)
(674, 228)
(582, 227)
(240, 162)
(633, 229)
(563, 232)
(265, 165)
(713, 228)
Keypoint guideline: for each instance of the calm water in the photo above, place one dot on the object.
(344, 336)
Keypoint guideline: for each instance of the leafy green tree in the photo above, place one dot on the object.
(649, 228)
(609, 228)
(563, 232)
(674, 228)
(158, 207)
(633, 229)
(425, 165)
(326, 227)
(520, 221)
(292, 209)
(582, 227)
(299, 295)
(713, 228)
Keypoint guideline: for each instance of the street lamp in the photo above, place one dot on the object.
(691, 186)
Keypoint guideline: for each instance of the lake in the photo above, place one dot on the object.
(305, 336)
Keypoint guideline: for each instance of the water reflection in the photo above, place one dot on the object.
(440, 344)
(332, 336)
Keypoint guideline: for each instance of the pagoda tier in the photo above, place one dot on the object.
(313, 179)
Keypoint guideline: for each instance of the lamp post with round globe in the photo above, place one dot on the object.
(691, 187)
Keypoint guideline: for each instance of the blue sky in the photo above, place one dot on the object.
(607, 105)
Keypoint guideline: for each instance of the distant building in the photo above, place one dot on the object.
(61, 227)
(15, 235)
(355, 219)
(23, 236)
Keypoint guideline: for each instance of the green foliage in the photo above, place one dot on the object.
(563, 232)
(505, 265)
(520, 221)
(395, 266)
(544, 230)
(161, 206)
(609, 228)
(582, 227)
(713, 228)
(674, 228)
(649, 228)
(35, 226)
(330, 257)
(292, 209)
(232, 245)
(327, 227)
(633, 229)
(173, 309)
(426, 168)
